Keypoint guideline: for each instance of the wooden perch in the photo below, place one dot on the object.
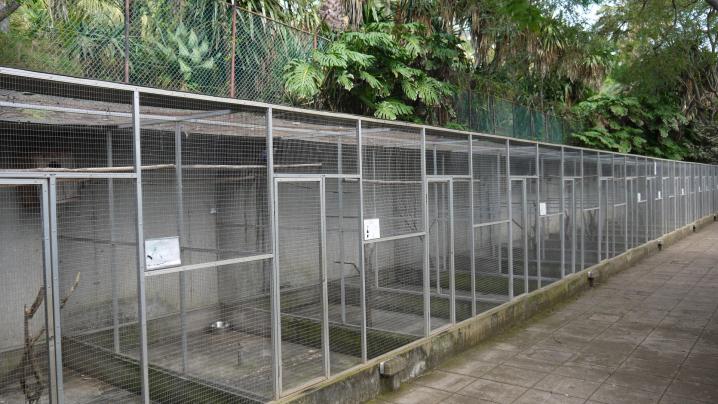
(28, 367)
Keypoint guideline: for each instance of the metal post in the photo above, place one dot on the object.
(340, 199)
(180, 233)
(625, 199)
(452, 281)
(472, 236)
(537, 210)
(362, 269)
(275, 289)
(510, 256)
(53, 306)
(601, 214)
(233, 62)
(425, 211)
(436, 229)
(581, 199)
(323, 263)
(562, 218)
(113, 269)
(127, 41)
(141, 303)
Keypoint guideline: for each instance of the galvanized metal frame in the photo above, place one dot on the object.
(700, 197)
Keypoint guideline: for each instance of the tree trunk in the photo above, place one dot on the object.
(6, 9)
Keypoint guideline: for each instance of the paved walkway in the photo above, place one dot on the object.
(650, 334)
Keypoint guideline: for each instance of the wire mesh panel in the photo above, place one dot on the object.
(550, 213)
(462, 248)
(97, 247)
(392, 178)
(310, 144)
(53, 126)
(394, 293)
(590, 205)
(446, 154)
(214, 342)
(520, 238)
(343, 272)
(491, 225)
(571, 228)
(299, 245)
(619, 236)
(440, 265)
(24, 351)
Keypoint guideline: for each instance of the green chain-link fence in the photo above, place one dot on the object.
(217, 50)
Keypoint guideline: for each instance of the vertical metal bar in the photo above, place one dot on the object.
(325, 296)
(373, 204)
(51, 280)
(625, 199)
(452, 274)
(574, 233)
(525, 221)
(142, 304)
(600, 210)
(272, 197)
(233, 43)
(562, 218)
(537, 210)
(425, 211)
(113, 258)
(437, 220)
(179, 200)
(646, 188)
(340, 199)
(127, 41)
(509, 206)
(472, 236)
(581, 200)
(362, 269)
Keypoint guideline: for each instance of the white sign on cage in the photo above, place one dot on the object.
(659, 195)
(162, 253)
(542, 209)
(638, 195)
(372, 229)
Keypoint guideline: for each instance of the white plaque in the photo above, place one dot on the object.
(639, 196)
(659, 195)
(162, 253)
(683, 191)
(542, 208)
(372, 229)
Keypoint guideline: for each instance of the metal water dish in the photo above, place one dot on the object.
(219, 327)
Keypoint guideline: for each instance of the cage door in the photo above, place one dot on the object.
(28, 347)
(520, 236)
(441, 257)
(569, 226)
(300, 236)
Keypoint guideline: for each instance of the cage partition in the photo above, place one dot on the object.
(167, 247)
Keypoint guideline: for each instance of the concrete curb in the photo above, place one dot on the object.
(365, 382)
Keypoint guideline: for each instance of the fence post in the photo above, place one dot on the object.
(234, 50)
(127, 41)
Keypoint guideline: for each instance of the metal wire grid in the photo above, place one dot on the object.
(212, 193)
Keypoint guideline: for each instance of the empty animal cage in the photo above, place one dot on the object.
(168, 247)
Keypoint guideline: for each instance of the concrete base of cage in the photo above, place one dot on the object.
(388, 371)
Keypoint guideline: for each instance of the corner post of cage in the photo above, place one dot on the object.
(509, 211)
(362, 268)
(425, 212)
(179, 200)
(275, 285)
(142, 303)
(52, 290)
(537, 210)
(562, 218)
(626, 204)
(472, 236)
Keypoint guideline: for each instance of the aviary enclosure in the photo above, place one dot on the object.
(161, 246)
